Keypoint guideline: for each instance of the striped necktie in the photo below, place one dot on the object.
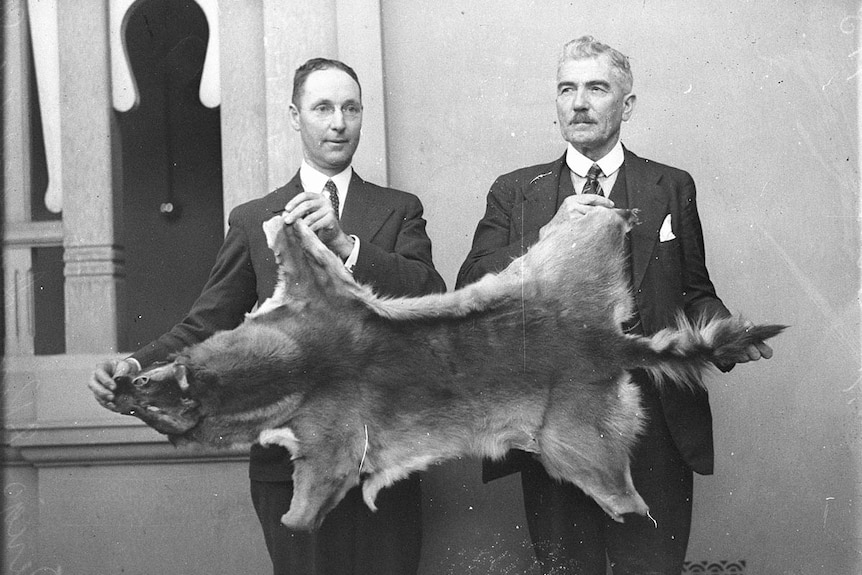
(330, 189)
(592, 186)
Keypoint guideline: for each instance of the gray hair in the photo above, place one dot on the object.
(589, 47)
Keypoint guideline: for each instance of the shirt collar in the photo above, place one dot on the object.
(313, 180)
(610, 163)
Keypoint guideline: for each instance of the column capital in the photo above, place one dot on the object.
(95, 260)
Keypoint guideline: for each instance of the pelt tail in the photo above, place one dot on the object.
(681, 354)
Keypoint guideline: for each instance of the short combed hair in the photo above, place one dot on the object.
(589, 47)
(315, 65)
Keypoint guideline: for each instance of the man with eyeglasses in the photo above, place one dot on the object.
(379, 233)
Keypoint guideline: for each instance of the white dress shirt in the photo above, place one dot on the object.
(579, 165)
(314, 181)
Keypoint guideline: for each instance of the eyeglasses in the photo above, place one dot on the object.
(349, 111)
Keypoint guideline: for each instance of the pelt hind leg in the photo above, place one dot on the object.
(317, 489)
(324, 470)
(588, 432)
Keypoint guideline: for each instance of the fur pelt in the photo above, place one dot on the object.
(364, 389)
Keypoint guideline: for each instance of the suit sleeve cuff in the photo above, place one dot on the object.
(350, 262)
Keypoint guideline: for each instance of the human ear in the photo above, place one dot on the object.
(294, 117)
(628, 106)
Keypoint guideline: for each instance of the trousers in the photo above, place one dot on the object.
(352, 540)
(572, 534)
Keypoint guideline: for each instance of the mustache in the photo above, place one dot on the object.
(582, 119)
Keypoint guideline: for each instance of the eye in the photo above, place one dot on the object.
(141, 381)
(323, 109)
(352, 110)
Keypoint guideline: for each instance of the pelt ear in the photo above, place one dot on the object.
(182, 379)
(631, 217)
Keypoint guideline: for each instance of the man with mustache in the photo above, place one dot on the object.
(570, 532)
(379, 233)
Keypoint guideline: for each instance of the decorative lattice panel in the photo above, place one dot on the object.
(714, 568)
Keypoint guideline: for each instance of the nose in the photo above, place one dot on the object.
(579, 102)
(336, 122)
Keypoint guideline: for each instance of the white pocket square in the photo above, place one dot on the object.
(665, 234)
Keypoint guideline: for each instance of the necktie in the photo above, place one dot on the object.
(593, 186)
(330, 189)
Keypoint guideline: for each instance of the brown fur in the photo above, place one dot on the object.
(367, 389)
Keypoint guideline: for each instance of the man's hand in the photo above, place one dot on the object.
(756, 351)
(318, 214)
(102, 381)
(575, 207)
(583, 203)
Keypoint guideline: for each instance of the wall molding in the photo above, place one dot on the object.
(51, 420)
(62, 444)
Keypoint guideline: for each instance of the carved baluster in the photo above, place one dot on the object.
(46, 57)
(124, 87)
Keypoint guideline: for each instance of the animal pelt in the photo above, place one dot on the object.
(364, 389)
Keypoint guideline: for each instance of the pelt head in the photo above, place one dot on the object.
(224, 391)
(160, 398)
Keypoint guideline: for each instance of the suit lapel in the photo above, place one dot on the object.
(543, 196)
(282, 195)
(647, 196)
(363, 214)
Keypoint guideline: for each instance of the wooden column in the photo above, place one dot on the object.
(293, 33)
(92, 210)
(243, 103)
(17, 262)
(360, 45)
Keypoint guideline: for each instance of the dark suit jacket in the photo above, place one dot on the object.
(394, 258)
(666, 276)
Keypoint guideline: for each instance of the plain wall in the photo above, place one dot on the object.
(758, 101)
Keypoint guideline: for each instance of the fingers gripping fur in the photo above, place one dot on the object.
(306, 268)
